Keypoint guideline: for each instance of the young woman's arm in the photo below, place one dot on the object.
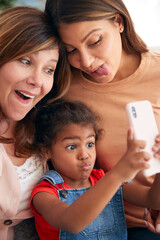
(148, 197)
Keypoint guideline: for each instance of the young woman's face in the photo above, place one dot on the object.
(73, 155)
(94, 47)
(24, 82)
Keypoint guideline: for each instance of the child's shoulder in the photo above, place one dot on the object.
(44, 186)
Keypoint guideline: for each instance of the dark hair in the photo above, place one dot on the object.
(70, 11)
(52, 118)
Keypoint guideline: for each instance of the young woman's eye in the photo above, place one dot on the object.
(71, 147)
(90, 144)
(70, 50)
(97, 42)
(49, 71)
(25, 61)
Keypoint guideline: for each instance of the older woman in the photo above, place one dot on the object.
(29, 55)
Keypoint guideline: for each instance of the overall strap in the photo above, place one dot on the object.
(53, 177)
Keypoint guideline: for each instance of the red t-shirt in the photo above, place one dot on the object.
(44, 229)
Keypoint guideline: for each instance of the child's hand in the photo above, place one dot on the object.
(156, 147)
(134, 159)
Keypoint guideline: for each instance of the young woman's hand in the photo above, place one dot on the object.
(152, 219)
(156, 147)
(134, 160)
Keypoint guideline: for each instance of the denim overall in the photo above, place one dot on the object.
(109, 225)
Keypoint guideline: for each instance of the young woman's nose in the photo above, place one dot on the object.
(35, 79)
(86, 59)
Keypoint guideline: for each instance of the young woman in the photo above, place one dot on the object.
(64, 203)
(28, 58)
(111, 66)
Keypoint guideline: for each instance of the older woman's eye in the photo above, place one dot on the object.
(49, 71)
(25, 61)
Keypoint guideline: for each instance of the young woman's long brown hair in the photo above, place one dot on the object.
(70, 11)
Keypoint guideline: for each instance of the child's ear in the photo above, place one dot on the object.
(46, 153)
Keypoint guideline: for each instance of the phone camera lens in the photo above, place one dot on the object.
(134, 111)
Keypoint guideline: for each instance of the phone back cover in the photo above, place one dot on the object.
(142, 120)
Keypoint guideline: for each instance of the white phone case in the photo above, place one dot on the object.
(141, 119)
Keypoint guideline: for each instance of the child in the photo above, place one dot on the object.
(64, 203)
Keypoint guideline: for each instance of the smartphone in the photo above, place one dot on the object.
(141, 119)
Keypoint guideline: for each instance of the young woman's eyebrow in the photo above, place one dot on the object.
(92, 31)
(83, 39)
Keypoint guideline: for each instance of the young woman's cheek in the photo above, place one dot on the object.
(73, 61)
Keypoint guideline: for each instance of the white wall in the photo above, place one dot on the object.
(146, 17)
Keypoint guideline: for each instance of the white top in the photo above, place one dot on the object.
(29, 175)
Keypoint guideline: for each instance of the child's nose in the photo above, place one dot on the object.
(83, 155)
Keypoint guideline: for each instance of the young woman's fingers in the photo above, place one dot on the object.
(157, 223)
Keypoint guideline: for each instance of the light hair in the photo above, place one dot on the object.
(23, 31)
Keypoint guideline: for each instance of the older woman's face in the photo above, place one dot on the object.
(24, 82)
(94, 47)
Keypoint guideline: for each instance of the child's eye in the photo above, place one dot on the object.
(90, 144)
(25, 61)
(71, 147)
(49, 71)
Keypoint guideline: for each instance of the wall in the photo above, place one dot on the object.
(146, 17)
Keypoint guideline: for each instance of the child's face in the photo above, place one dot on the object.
(73, 155)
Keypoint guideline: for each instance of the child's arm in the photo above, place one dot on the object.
(85, 209)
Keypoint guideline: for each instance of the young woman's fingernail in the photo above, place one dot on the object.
(158, 228)
(155, 148)
(146, 223)
(145, 211)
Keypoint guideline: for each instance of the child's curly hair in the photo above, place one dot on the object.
(53, 117)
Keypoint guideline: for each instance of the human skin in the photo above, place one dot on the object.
(74, 143)
(95, 48)
(100, 48)
(25, 81)
(73, 157)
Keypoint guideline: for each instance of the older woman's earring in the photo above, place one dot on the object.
(121, 29)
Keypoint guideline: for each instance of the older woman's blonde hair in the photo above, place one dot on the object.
(25, 30)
